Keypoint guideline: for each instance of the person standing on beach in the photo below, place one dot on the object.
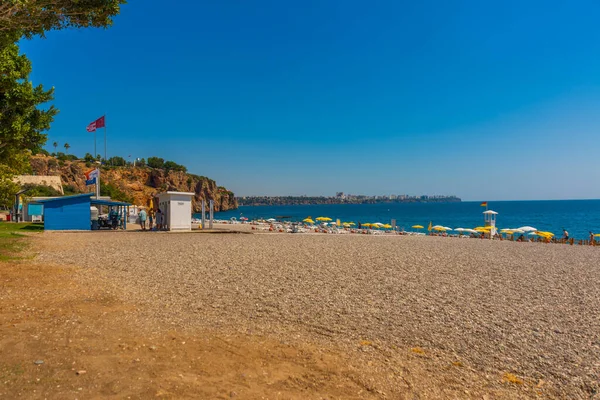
(565, 235)
(143, 216)
(150, 218)
(591, 238)
(158, 220)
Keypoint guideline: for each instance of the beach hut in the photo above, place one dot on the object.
(176, 208)
(73, 213)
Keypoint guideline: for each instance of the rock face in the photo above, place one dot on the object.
(137, 183)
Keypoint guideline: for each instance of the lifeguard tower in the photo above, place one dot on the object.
(489, 219)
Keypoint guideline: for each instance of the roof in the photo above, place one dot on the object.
(100, 202)
(65, 197)
(490, 212)
(184, 193)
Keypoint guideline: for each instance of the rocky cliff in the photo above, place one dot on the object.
(136, 184)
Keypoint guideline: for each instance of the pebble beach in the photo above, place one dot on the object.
(528, 309)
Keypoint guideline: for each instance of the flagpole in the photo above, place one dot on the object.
(105, 137)
(95, 154)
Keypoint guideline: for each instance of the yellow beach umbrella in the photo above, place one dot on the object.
(366, 224)
(323, 219)
(440, 228)
(308, 220)
(350, 223)
(387, 226)
(597, 235)
(417, 226)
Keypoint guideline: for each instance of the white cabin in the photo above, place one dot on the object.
(176, 208)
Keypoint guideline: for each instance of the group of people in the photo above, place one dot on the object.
(151, 217)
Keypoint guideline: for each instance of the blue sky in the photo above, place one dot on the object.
(487, 101)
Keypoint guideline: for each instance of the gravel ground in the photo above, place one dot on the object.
(528, 308)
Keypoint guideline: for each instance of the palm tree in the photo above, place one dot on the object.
(55, 144)
(67, 146)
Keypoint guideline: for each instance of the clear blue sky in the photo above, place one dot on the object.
(485, 100)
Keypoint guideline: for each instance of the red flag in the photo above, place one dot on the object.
(99, 123)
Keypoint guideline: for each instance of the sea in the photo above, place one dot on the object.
(579, 217)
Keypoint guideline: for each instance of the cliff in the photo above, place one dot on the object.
(135, 184)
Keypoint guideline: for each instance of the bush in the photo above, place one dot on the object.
(173, 166)
(156, 162)
(108, 189)
(117, 161)
(40, 191)
(70, 190)
(88, 158)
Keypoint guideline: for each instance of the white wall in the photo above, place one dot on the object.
(177, 209)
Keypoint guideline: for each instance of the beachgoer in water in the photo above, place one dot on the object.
(143, 217)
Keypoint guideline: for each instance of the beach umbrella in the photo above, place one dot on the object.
(470, 230)
(308, 220)
(333, 223)
(597, 235)
(448, 229)
(527, 228)
(378, 223)
(349, 223)
(387, 226)
(439, 228)
(324, 219)
(366, 224)
(271, 220)
(459, 229)
(417, 226)
(243, 219)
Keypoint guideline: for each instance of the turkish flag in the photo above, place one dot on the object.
(100, 122)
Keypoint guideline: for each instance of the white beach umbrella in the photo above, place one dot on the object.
(459, 229)
(527, 228)
(518, 230)
(271, 220)
(448, 229)
(470, 230)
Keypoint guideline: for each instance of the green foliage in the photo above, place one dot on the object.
(35, 17)
(70, 190)
(12, 241)
(156, 162)
(117, 161)
(141, 162)
(88, 158)
(173, 166)
(21, 122)
(108, 189)
(40, 191)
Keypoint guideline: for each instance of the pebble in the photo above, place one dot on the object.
(38, 362)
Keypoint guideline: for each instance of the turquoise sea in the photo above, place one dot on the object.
(577, 216)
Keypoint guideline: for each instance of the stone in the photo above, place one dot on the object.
(38, 362)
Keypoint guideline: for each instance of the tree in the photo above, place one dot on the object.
(117, 161)
(89, 158)
(22, 124)
(34, 17)
(173, 166)
(67, 147)
(156, 162)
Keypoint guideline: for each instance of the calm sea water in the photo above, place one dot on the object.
(577, 216)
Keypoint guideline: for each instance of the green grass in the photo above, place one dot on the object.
(12, 238)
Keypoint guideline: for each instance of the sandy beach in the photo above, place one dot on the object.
(482, 312)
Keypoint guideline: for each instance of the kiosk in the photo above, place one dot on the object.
(176, 208)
